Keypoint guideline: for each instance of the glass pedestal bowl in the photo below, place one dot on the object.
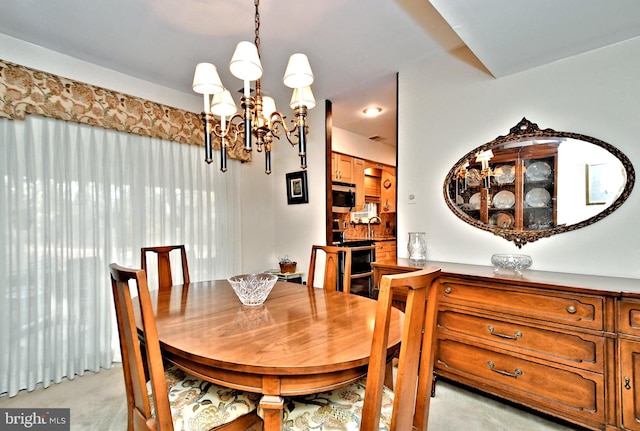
(252, 289)
(515, 262)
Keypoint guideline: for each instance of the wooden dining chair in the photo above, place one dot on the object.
(163, 253)
(331, 267)
(368, 404)
(172, 398)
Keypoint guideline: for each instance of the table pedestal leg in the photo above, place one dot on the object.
(271, 409)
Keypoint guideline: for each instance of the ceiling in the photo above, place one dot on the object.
(355, 47)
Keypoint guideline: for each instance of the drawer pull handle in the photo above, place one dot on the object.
(627, 382)
(516, 334)
(516, 373)
(447, 290)
(571, 309)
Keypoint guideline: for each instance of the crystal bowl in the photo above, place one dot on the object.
(516, 262)
(252, 289)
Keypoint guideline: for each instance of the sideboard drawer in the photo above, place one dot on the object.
(629, 317)
(569, 348)
(582, 311)
(572, 391)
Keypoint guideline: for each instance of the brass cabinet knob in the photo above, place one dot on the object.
(571, 309)
(447, 290)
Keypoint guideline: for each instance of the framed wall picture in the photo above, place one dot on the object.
(297, 192)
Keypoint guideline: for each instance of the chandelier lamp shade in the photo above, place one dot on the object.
(258, 120)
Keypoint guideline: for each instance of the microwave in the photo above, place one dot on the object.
(343, 197)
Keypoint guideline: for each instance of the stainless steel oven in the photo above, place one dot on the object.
(363, 254)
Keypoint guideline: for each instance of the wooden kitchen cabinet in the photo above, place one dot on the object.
(385, 251)
(358, 180)
(567, 345)
(342, 168)
(388, 190)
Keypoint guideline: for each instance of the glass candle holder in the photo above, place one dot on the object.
(417, 247)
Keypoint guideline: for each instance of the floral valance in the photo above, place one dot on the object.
(27, 91)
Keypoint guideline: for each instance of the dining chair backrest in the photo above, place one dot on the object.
(331, 267)
(163, 253)
(417, 351)
(149, 404)
(133, 358)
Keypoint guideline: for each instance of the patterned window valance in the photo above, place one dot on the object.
(27, 91)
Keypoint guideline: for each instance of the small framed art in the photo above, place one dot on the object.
(297, 192)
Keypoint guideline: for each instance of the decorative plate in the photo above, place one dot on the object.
(502, 220)
(504, 199)
(537, 198)
(504, 174)
(538, 171)
(474, 201)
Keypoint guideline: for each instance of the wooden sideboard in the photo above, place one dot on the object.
(566, 345)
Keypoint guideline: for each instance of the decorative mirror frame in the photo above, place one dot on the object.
(527, 129)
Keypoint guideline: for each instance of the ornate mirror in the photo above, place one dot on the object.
(533, 183)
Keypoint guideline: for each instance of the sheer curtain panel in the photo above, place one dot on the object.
(75, 198)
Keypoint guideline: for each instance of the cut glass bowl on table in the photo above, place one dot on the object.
(515, 262)
(253, 289)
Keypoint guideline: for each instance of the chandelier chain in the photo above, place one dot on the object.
(257, 23)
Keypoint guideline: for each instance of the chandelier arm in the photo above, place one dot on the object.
(208, 121)
(231, 127)
(299, 126)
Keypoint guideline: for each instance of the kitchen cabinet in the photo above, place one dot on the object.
(358, 180)
(388, 190)
(567, 345)
(342, 168)
(385, 251)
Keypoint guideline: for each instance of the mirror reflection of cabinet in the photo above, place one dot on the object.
(517, 190)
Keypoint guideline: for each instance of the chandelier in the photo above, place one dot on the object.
(258, 118)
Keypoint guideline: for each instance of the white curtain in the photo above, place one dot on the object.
(75, 198)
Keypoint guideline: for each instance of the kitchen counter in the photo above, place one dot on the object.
(375, 238)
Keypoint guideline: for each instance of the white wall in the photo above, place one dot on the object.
(355, 145)
(450, 106)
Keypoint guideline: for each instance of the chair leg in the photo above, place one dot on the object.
(433, 385)
(388, 375)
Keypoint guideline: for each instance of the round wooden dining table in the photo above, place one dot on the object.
(300, 341)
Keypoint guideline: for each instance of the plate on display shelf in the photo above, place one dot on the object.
(474, 201)
(538, 171)
(504, 199)
(537, 198)
(504, 174)
(502, 220)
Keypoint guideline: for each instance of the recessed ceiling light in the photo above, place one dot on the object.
(372, 111)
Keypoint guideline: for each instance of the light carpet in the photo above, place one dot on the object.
(98, 402)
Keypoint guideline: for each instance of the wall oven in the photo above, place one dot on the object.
(343, 196)
(363, 254)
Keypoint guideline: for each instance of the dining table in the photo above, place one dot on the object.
(301, 340)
